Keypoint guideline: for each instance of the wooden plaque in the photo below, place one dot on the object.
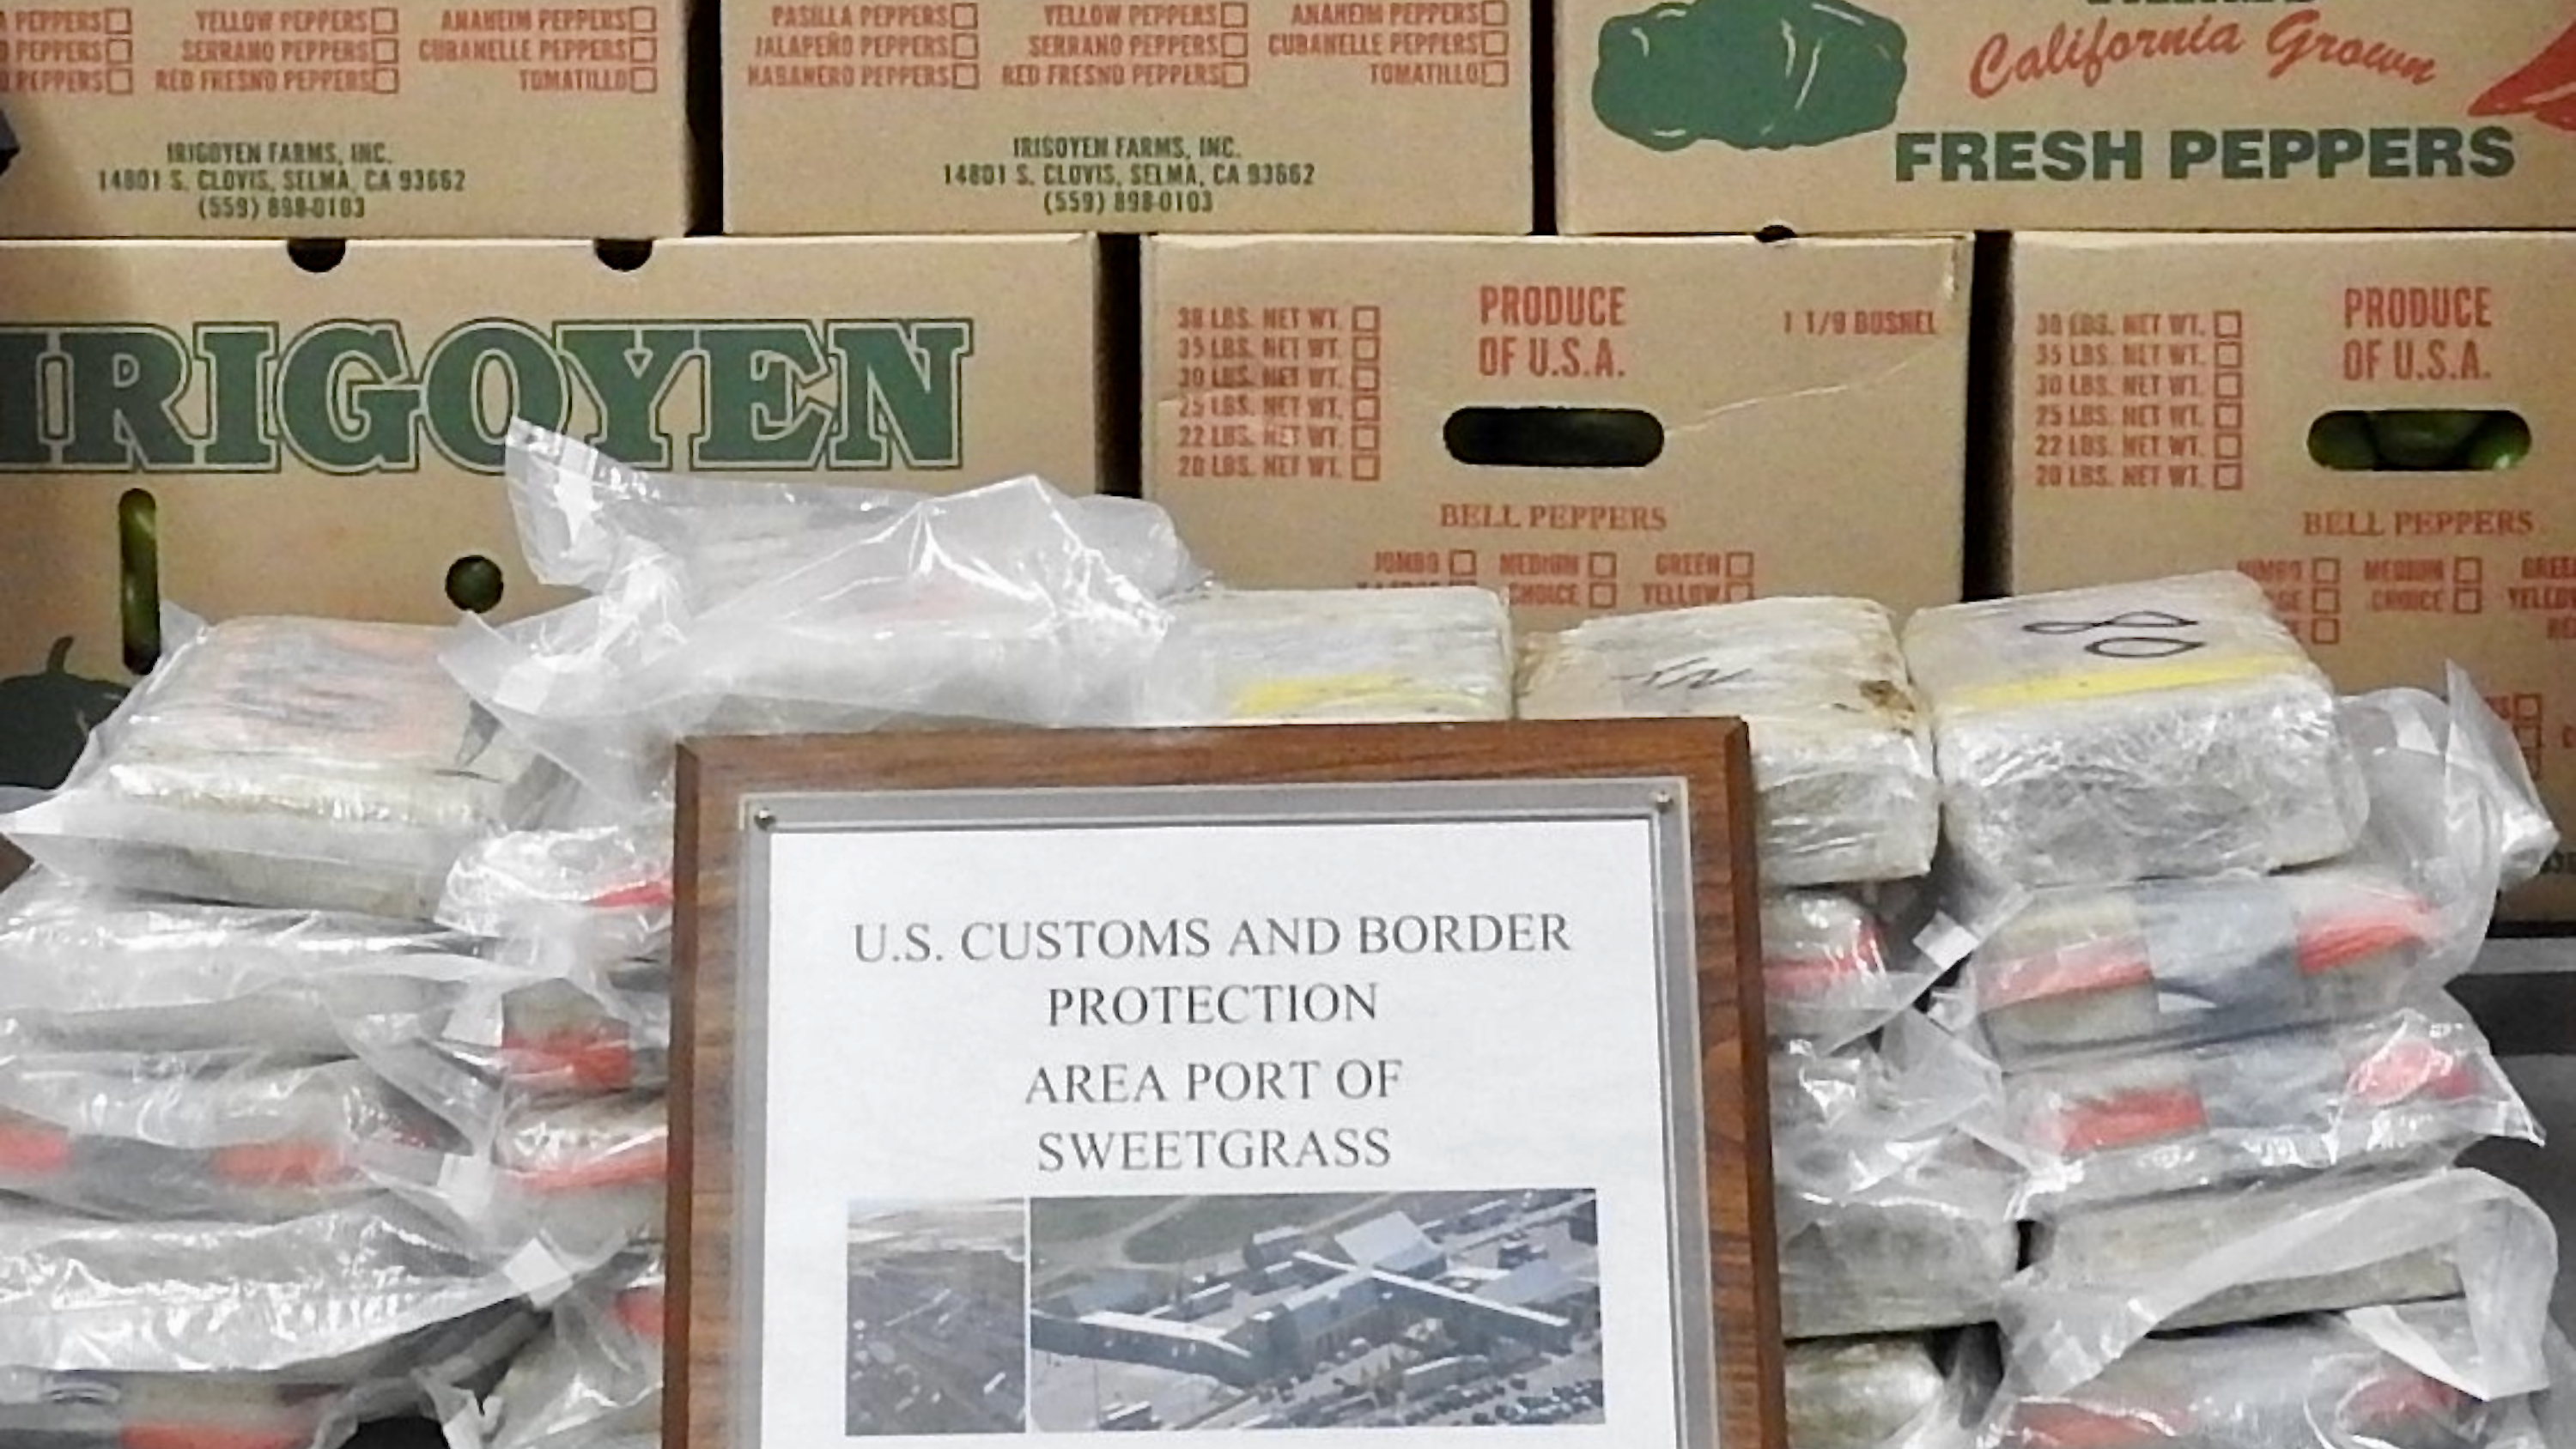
(1330, 1078)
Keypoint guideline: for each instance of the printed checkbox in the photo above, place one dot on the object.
(1602, 565)
(384, 20)
(1498, 73)
(1364, 349)
(2231, 384)
(120, 21)
(2230, 478)
(1364, 379)
(964, 46)
(646, 81)
(643, 19)
(1237, 75)
(2326, 570)
(385, 51)
(120, 83)
(2231, 415)
(2468, 601)
(2326, 600)
(1234, 45)
(966, 77)
(1234, 15)
(2326, 631)
(1365, 409)
(2231, 445)
(2229, 354)
(642, 50)
(2468, 571)
(1364, 319)
(388, 81)
(1601, 596)
(1739, 566)
(1498, 12)
(120, 52)
(1365, 438)
(1462, 563)
(2227, 324)
(1364, 469)
(1496, 42)
(964, 17)
(1738, 593)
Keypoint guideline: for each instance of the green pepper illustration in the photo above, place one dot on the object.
(1757, 75)
(45, 718)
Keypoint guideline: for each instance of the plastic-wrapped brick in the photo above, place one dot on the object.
(2167, 728)
(288, 762)
(1892, 1215)
(1832, 970)
(592, 1380)
(1333, 656)
(2417, 1085)
(1842, 751)
(2304, 1384)
(2103, 1278)
(1886, 1393)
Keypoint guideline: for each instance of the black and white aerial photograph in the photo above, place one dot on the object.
(938, 1318)
(1315, 1310)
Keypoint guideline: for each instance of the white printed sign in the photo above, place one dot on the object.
(1196, 1126)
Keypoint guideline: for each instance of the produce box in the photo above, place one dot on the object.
(1589, 427)
(1877, 115)
(328, 443)
(394, 118)
(2375, 428)
(1241, 116)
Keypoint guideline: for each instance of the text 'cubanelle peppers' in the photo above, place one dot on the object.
(1758, 75)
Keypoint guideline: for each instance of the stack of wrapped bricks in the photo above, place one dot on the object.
(2183, 1124)
(336, 1016)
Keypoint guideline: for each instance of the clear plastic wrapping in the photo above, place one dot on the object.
(1333, 656)
(1893, 1215)
(81, 1295)
(1887, 1393)
(1842, 752)
(594, 1379)
(603, 890)
(2104, 1278)
(2160, 964)
(86, 968)
(2167, 728)
(307, 1406)
(1832, 970)
(290, 762)
(591, 1177)
(2418, 1085)
(762, 609)
(2303, 1384)
(200, 1136)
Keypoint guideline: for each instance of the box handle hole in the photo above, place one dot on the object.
(138, 572)
(1549, 437)
(475, 584)
(2420, 440)
(623, 256)
(318, 255)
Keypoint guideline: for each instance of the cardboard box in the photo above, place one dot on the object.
(1871, 115)
(328, 444)
(2164, 393)
(1167, 115)
(371, 118)
(1782, 419)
